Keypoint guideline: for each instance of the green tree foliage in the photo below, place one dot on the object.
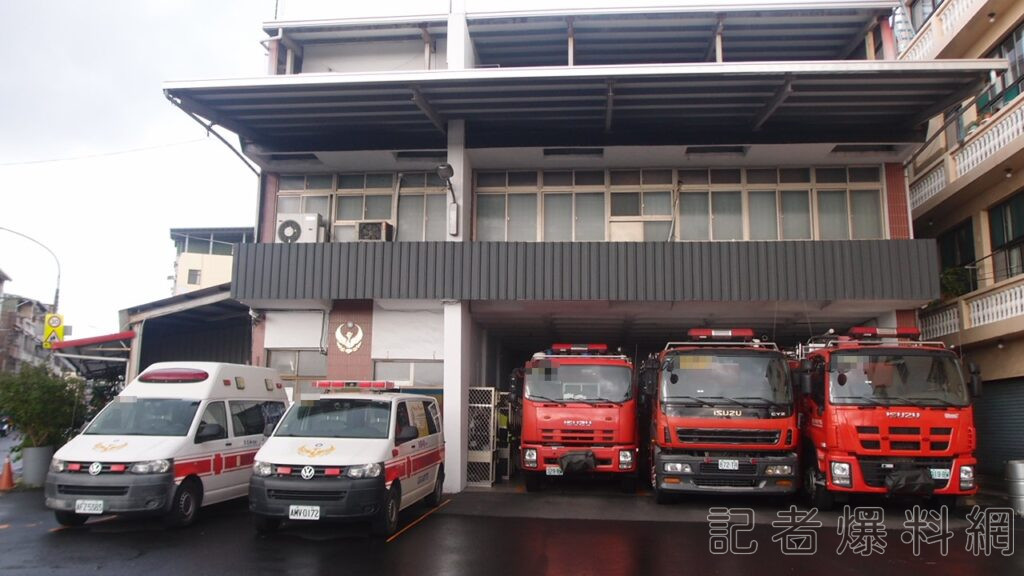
(45, 408)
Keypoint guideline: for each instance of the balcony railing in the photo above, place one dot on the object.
(1003, 301)
(937, 32)
(983, 141)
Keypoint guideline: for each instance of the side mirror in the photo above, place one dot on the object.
(805, 383)
(209, 432)
(406, 434)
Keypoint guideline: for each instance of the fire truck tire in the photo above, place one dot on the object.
(265, 524)
(434, 498)
(628, 484)
(533, 481)
(386, 522)
(817, 495)
(66, 518)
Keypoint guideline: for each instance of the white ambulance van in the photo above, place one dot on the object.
(180, 436)
(353, 450)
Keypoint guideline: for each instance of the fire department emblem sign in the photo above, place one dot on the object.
(349, 337)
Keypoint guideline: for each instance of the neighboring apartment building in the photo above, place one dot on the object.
(614, 175)
(967, 191)
(21, 333)
(203, 256)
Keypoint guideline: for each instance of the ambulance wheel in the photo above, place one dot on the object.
(265, 524)
(386, 522)
(65, 518)
(533, 481)
(185, 505)
(817, 495)
(434, 498)
(628, 484)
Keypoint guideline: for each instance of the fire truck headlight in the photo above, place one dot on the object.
(778, 470)
(677, 468)
(530, 457)
(966, 477)
(625, 459)
(841, 474)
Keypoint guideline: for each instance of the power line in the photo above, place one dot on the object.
(104, 154)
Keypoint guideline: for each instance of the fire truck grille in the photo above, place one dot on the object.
(726, 436)
(726, 482)
(745, 469)
(77, 490)
(904, 438)
(874, 470)
(577, 436)
(307, 495)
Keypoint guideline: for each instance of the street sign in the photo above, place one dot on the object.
(53, 331)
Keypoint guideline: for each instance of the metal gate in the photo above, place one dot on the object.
(483, 428)
(999, 421)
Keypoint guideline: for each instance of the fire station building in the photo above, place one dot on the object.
(442, 195)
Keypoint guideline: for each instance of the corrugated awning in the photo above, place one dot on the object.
(699, 103)
(98, 357)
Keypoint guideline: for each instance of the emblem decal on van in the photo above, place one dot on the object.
(349, 337)
(316, 451)
(109, 446)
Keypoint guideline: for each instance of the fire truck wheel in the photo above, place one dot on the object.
(628, 484)
(533, 481)
(265, 524)
(817, 495)
(65, 518)
(386, 521)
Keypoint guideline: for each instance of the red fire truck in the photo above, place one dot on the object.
(885, 414)
(722, 416)
(578, 415)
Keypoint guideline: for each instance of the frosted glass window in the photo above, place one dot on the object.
(292, 183)
(693, 216)
(657, 231)
(796, 215)
(490, 217)
(288, 204)
(320, 205)
(558, 178)
(410, 218)
(380, 180)
(428, 374)
(590, 217)
(351, 181)
(764, 221)
(378, 207)
(522, 217)
(833, 223)
(436, 216)
(867, 214)
(320, 182)
(626, 203)
(693, 177)
(557, 217)
(657, 204)
(350, 208)
(726, 216)
(344, 234)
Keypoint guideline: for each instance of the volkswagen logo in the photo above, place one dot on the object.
(306, 473)
(95, 468)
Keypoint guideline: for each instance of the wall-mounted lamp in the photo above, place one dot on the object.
(999, 344)
(991, 17)
(1008, 172)
(445, 172)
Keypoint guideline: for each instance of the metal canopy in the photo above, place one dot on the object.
(359, 30)
(99, 357)
(697, 103)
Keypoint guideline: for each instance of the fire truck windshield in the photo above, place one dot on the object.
(746, 379)
(897, 377)
(578, 383)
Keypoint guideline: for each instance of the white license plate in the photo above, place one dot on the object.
(88, 506)
(303, 512)
(940, 473)
(553, 471)
(728, 464)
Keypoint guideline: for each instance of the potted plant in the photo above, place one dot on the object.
(45, 409)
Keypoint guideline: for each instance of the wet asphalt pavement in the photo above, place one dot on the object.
(574, 530)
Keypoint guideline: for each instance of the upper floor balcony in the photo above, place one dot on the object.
(983, 315)
(953, 28)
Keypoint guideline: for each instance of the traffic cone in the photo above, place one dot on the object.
(7, 478)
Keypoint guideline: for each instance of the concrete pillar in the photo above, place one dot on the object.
(462, 181)
(456, 395)
(986, 272)
(461, 52)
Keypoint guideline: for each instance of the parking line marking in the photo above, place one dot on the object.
(418, 520)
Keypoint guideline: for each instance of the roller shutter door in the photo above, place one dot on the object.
(999, 420)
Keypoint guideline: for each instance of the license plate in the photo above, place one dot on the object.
(553, 471)
(88, 506)
(728, 464)
(303, 512)
(940, 473)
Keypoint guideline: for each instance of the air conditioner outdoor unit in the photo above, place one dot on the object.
(375, 231)
(292, 228)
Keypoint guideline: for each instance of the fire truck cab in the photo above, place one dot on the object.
(578, 415)
(885, 414)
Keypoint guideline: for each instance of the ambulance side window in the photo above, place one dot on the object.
(249, 417)
(401, 418)
(431, 411)
(214, 423)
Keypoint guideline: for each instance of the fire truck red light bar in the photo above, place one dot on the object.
(579, 347)
(364, 385)
(704, 333)
(874, 332)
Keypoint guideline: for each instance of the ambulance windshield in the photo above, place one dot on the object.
(131, 416)
(337, 418)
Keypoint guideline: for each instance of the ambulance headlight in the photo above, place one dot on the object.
(363, 471)
(57, 465)
(262, 469)
(151, 467)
